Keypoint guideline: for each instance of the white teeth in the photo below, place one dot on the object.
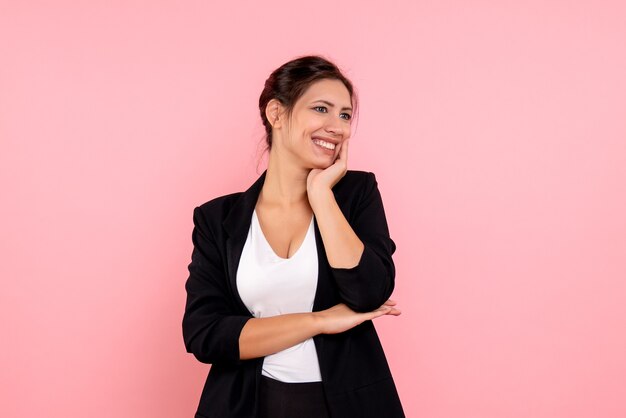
(324, 144)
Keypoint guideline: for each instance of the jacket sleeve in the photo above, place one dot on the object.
(370, 283)
(211, 328)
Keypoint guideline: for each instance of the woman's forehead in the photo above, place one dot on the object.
(333, 91)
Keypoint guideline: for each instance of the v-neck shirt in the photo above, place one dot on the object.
(271, 285)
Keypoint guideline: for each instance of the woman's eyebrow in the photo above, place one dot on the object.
(331, 105)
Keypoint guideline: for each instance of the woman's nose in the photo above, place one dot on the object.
(334, 126)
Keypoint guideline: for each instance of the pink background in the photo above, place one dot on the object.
(497, 133)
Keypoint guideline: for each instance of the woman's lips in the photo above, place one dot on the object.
(323, 149)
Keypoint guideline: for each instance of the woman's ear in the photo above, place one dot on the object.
(273, 112)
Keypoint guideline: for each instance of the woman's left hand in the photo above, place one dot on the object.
(320, 180)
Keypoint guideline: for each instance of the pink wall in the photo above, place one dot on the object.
(496, 132)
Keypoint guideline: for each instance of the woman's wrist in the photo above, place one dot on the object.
(317, 323)
(320, 197)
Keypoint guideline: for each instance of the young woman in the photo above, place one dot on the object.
(286, 277)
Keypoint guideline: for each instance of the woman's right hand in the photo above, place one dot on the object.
(264, 336)
(341, 318)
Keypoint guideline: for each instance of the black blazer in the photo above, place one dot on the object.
(355, 375)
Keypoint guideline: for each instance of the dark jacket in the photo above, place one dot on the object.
(355, 374)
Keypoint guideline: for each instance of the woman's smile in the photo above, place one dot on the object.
(327, 148)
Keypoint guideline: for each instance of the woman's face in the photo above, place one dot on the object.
(321, 121)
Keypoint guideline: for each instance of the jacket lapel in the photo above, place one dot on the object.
(236, 224)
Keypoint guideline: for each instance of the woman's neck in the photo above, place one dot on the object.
(285, 184)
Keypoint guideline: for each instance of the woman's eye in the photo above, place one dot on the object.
(345, 116)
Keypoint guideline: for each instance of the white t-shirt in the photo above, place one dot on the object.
(270, 285)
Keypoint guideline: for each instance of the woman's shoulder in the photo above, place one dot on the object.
(358, 176)
(209, 215)
(355, 174)
(355, 182)
(220, 203)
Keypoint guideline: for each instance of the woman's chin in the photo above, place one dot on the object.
(322, 165)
